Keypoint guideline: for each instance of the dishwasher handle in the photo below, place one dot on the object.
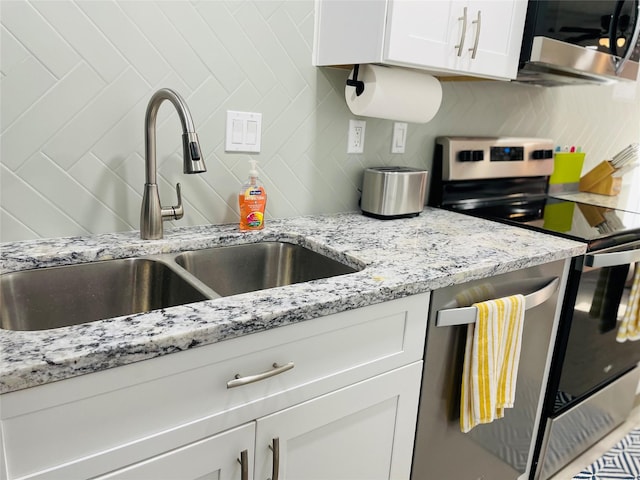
(465, 315)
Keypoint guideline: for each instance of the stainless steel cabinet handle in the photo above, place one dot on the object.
(465, 315)
(474, 50)
(244, 465)
(276, 370)
(600, 260)
(460, 45)
(275, 448)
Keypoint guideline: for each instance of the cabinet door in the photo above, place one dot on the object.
(494, 31)
(480, 37)
(418, 33)
(364, 431)
(214, 457)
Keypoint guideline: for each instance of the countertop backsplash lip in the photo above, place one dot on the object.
(397, 258)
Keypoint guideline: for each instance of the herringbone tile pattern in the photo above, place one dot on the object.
(76, 75)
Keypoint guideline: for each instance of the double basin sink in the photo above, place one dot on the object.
(56, 297)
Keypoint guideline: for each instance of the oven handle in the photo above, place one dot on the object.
(619, 63)
(465, 315)
(601, 260)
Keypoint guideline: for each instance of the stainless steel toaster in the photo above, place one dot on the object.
(393, 192)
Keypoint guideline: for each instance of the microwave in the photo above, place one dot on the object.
(578, 42)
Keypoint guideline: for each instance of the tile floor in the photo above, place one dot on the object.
(595, 452)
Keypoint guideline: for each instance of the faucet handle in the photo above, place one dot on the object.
(175, 212)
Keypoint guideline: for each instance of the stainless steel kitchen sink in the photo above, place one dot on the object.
(69, 295)
(258, 266)
(56, 297)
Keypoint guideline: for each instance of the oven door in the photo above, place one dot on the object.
(593, 357)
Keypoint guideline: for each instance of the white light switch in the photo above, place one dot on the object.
(252, 132)
(399, 140)
(244, 131)
(236, 131)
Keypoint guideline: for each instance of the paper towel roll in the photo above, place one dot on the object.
(395, 94)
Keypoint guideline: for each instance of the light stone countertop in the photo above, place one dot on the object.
(400, 258)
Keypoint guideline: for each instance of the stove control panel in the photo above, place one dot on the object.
(473, 158)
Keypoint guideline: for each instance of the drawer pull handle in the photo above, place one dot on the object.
(275, 468)
(244, 465)
(276, 370)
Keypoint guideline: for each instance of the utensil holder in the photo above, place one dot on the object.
(600, 180)
(566, 172)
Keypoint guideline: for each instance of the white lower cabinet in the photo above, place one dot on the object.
(336, 397)
(216, 457)
(360, 432)
(364, 431)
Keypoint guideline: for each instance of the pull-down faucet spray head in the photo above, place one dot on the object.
(193, 161)
(153, 214)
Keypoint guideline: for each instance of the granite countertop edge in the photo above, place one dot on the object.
(396, 258)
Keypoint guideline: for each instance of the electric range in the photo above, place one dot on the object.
(593, 377)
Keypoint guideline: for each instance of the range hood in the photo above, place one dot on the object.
(555, 63)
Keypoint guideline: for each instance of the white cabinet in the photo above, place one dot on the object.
(360, 432)
(473, 37)
(176, 416)
(217, 457)
(364, 431)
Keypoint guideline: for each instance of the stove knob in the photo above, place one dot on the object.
(477, 155)
(542, 154)
(465, 156)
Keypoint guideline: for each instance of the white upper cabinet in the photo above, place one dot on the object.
(475, 37)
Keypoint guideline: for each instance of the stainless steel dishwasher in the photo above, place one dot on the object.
(501, 450)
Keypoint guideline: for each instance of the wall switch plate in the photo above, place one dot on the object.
(244, 132)
(399, 139)
(355, 137)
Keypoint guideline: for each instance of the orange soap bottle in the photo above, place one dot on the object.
(252, 201)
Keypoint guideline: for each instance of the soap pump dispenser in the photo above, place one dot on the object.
(252, 201)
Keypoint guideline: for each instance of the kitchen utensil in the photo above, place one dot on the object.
(626, 156)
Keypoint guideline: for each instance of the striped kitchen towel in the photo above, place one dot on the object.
(491, 360)
(629, 328)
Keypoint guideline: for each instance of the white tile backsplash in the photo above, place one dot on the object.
(76, 76)
(30, 207)
(29, 80)
(126, 37)
(12, 51)
(39, 37)
(84, 37)
(42, 119)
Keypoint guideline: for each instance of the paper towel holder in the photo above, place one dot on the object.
(358, 84)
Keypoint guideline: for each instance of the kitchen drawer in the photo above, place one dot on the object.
(95, 423)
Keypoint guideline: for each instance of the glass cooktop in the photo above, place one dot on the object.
(600, 226)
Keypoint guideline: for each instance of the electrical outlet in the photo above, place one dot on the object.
(355, 137)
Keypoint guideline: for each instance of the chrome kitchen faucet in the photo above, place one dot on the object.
(153, 214)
